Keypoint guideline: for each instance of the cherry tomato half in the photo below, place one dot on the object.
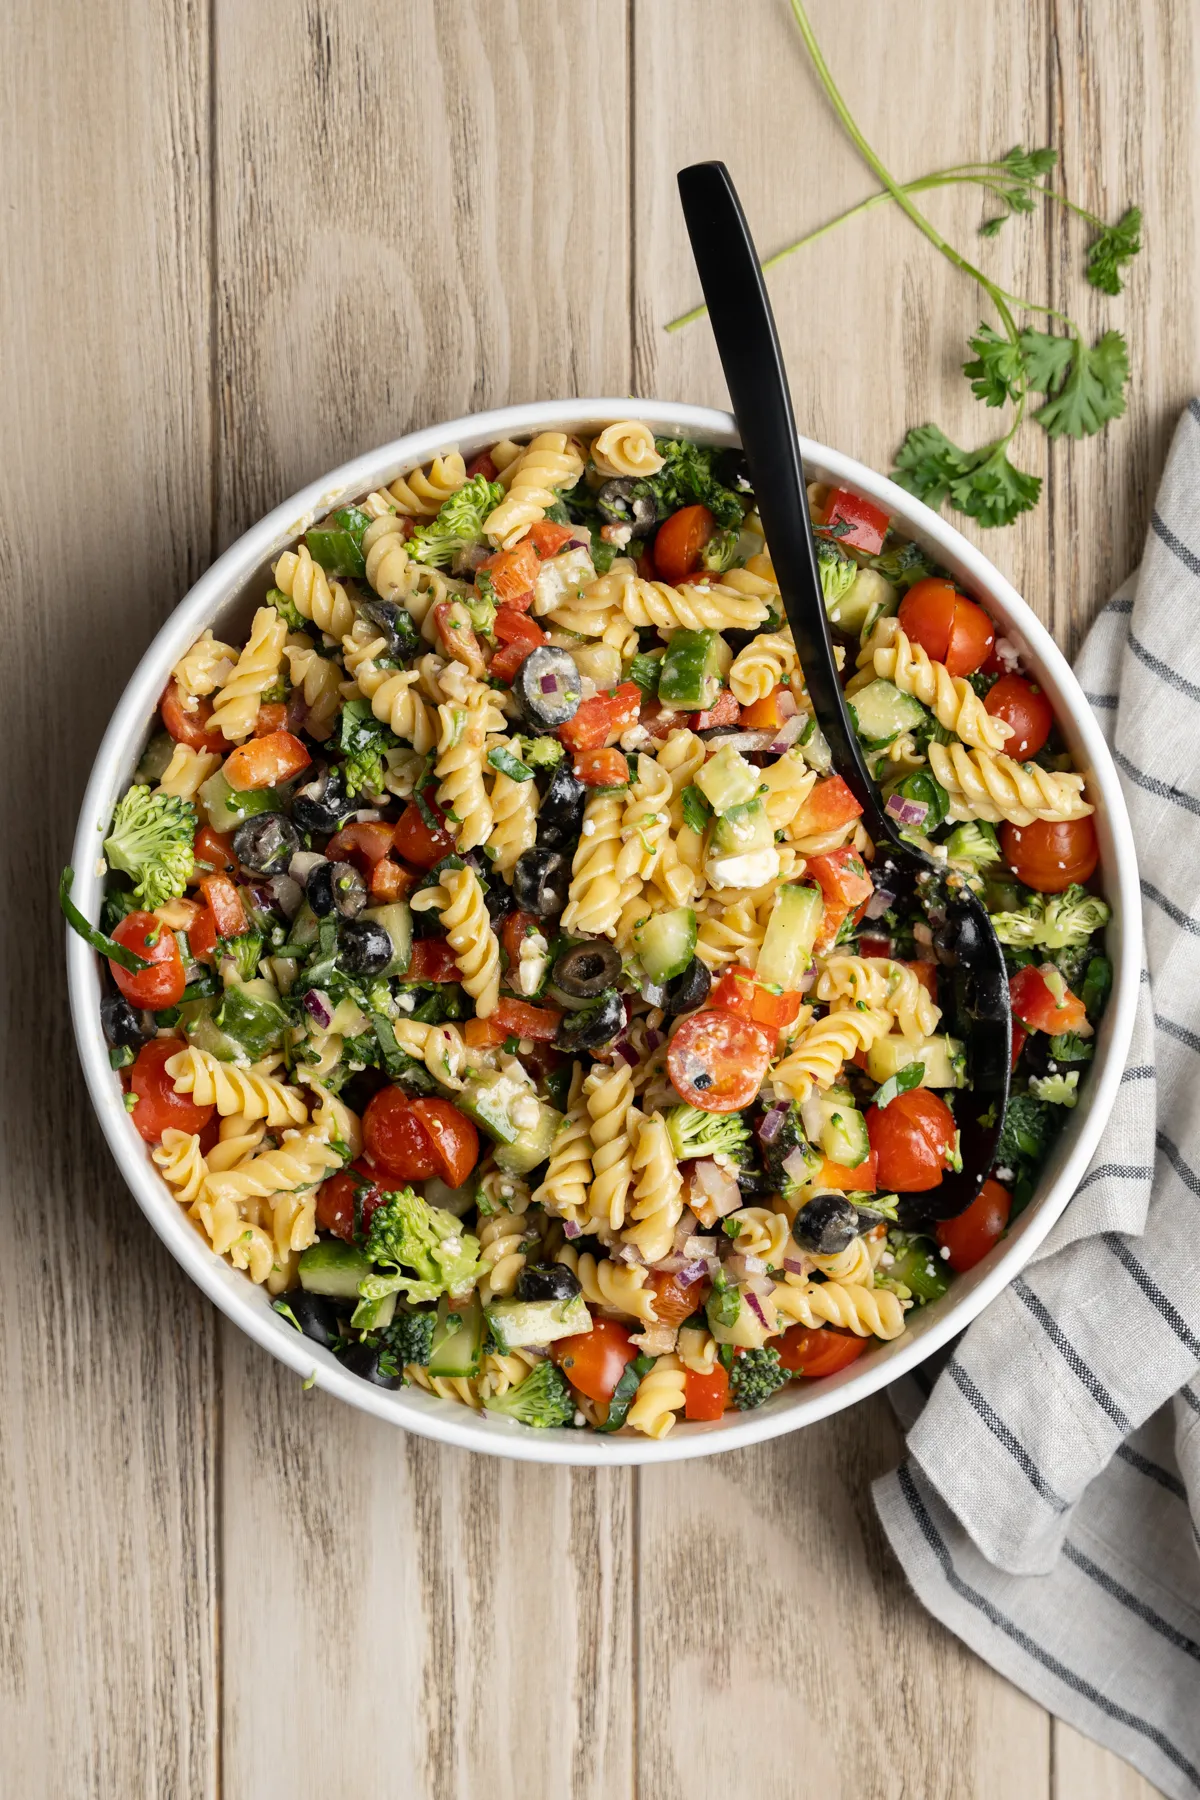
(190, 728)
(416, 843)
(912, 1137)
(396, 1139)
(717, 1062)
(161, 984)
(1023, 706)
(680, 540)
(969, 1237)
(594, 1361)
(1036, 1002)
(949, 627)
(337, 1199)
(158, 1105)
(822, 1351)
(1050, 854)
(213, 853)
(453, 1136)
(706, 1396)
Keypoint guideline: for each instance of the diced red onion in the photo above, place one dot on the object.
(680, 1245)
(699, 1246)
(756, 1307)
(713, 1266)
(627, 1253)
(627, 1053)
(470, 558)
(745, 741)
(796, 1265)
(796, 1164)
(785, 735)
(572, 1228)
(654, 1038)
(692, 1272)
(303, 864)
(717, 1186)
(549, 684)
(579, 535)
(770, 1125)
(742, 1266)
(908, 812)
(879, 902)
(785, 703)
(317, 1006)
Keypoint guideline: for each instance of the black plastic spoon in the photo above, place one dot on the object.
(744, 327)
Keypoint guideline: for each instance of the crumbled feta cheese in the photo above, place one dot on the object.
(616, 534)
(525, 1112)
(406, 1002)
(589, 827)
(944, 1253)
(1006, 652)
(636, 738)
(1004, 1174)
(561, 577)
(750, 871)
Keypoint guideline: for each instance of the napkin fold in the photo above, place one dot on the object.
(1048, 1506)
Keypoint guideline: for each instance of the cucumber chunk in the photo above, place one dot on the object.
(792, 928)
(225, 808)
(666, 943)
(333, 1268)
(373, 1315)
(727, 780)
(517, 1324)
(919, 1268)
(532, 1143)
(397, 922)
(457, 1340)
(743, 829)
(691, 672)
(867, 599)
(844, 1133)
(881, 712)
(945, 1063)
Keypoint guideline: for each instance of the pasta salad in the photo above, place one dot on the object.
(497, 973)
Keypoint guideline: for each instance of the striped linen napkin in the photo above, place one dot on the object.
(1048, 1505)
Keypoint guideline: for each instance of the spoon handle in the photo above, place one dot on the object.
(744, 327)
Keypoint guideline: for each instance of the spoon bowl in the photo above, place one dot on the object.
(748, 345)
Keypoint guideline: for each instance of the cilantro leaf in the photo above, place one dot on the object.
(1116, 245)
(1093, 391)
(981, 483)
(1046, 358)
(995, 375)
(926, 463)
(1028, 165)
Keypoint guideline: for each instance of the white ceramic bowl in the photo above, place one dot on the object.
(224, 598)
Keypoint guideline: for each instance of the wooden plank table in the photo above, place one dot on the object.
(242, 241)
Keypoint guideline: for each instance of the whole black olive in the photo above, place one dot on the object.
(620, 503)
(266, 843)
(826, 1225)
(364, 1359)
(540, 882)
(687, 992)
(123, 1027)
(396, 625)
(316, 1316)
(322, 804)
(587, 969)
(596, 1025)
(547, 1281)
(560, 816)
(548, 688)
(364, 947)
(336, 887)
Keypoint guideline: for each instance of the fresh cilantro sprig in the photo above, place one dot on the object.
(1083, 386)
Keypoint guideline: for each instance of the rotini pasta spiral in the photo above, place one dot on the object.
(763, 665)
(439, 1047)
(459, 899)
(238, 700)
(682, 755)
(564, 1191)
(693, 606)
(645, 823)
(885, 985)
(312, 593)
(760, 1232)
(610, 1286)
(238, 1139)
(461, 793)
(301, 1160)
(514, 812)
(319, 680)
(187, 771)
(868, 1312)
(952, 700)
(250, 1092)
(824, 1045)
(597, 894)
(608, 1091)
(658, 1193)
(659, 1397)
(984, 784)
(729, 934)
(626, 448)
(549, 465)
(388, 569)
(503, 1238)
(181, 1163)
(697, 1349)
(422, 492)
(202, 669)
(852, 1266)
(788, 782)
(391, 692)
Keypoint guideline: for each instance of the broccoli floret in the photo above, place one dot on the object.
(287, 610)
(363, 740)
(1026, 1132)
(458, 523)
(407, 1233)
(245, 952)
(755, 1376)
(482, 611)
(689, 477)
(720, 552)
(542, 1400)
(785, 1143)
(1069, 1047)
(1054, 921)
(975, 843)
(696, 1133)
(838, 572)
(1056, 1090)
(410, 1337)
(151, 839)
(902, 563)
(540, 752)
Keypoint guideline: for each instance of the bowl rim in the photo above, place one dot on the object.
(413, 1410)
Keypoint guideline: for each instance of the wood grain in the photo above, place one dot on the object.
(107, 1618)
(431, 218)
